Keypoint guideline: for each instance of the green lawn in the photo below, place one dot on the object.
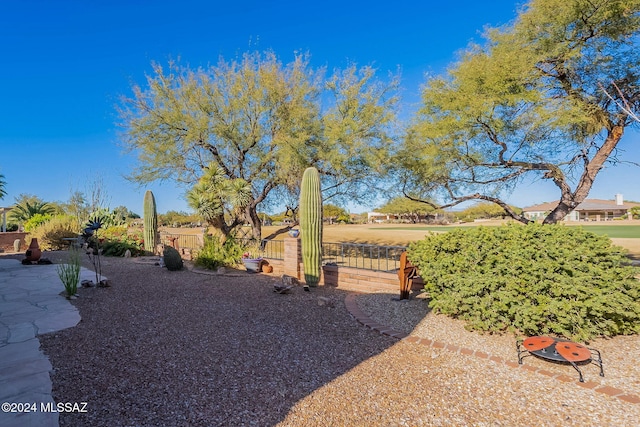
(613, 231)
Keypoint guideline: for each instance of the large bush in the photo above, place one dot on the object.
(118, 239)
(36, 220)
(214, 254)
(51, 234)
(534, 279)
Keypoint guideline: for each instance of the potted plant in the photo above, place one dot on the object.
(251, 264)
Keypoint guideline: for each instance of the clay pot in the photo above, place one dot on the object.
(33, 253)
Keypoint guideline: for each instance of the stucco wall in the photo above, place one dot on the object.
(7, 239)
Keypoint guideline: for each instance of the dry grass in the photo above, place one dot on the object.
(403, 234)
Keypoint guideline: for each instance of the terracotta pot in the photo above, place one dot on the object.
(33, 253)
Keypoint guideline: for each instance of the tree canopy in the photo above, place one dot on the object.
(28, 206)
(334, 213)
(537, 101)
(258, 122)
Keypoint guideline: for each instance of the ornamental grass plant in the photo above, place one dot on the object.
(69, 273)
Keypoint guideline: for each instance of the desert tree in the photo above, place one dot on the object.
(257, 123)
(528, 105)
(404, 207)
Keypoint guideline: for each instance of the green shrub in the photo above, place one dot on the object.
(535, 280)
(118, 239)
(51, 234)
(214, 254)
(36, 220)
(172, 259)
(115, 248)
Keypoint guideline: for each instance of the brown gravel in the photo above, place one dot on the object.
(185, 349)
(161, 348)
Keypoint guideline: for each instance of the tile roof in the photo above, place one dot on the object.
(587, 205)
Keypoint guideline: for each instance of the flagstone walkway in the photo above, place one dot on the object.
(30, 305)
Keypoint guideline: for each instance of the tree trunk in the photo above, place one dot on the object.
(251, 215)
(281, 231)
(223, 231)
(570, 200)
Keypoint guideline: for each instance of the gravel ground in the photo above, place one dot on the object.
(619, 354)
(186, 349)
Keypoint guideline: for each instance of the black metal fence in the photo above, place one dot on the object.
(272, 249)
(356, 255)
(368, 257)
(184, 241)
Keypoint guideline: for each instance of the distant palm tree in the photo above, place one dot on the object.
(25, 210)
(3, 183)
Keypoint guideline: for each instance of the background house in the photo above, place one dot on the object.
(589, 210)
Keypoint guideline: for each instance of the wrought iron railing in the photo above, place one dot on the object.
(183, 241)
(368, 257)
(272, 249)
(356, 255)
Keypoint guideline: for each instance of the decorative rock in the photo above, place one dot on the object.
(127, 253)
(87, 284)
(324, 301)
(282, 289)
(289, 281)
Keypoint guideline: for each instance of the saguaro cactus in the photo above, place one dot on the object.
(311, 225)
(150, 222)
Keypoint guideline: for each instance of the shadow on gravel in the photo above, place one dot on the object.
(185, 349)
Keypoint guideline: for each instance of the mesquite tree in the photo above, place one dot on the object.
(529, 105)
(260, 123)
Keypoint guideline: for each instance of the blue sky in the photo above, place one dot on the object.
(66, 63)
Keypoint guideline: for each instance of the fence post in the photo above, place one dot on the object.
(292, 257)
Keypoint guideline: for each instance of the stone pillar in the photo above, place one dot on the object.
(292, 257)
